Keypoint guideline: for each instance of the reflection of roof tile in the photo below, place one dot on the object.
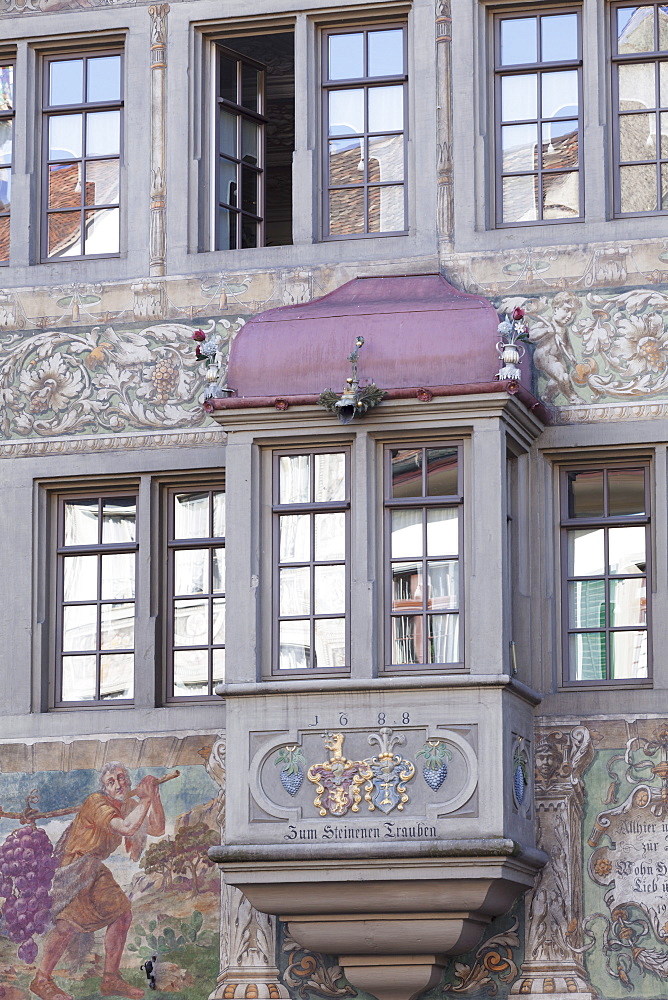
(347, 167)
(65, 193)
(4, 238)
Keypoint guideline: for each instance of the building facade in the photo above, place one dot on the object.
(400, 671)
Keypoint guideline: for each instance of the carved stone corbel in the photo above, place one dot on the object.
(552, 969)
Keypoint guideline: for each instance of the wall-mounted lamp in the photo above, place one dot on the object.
(355, 399)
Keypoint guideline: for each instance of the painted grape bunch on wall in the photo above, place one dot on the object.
(292, 772)
(27, 867)
(435, 768)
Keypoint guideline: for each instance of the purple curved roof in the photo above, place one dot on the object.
(418, 331)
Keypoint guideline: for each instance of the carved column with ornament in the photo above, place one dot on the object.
(552, 969)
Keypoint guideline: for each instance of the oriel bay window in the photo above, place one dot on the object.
(97, 546)
(365, 115)
(196, 588)
(605, 553)
(640, 88)
(538, 68)
(82, 147)
(423, 541)
(6, 157)
(311, 512)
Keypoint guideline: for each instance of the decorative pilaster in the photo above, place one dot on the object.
(247, 937)
(444, 122)
(552, 969)
(157, 240)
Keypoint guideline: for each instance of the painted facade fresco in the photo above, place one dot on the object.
(104, 864)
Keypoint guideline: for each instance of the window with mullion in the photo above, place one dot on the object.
(97, 546)
(364, 112)
(240, 151)
(423, 513)
(640, 95)
(311, 510)
(605, 550)
(6, 153)
(196, 588)
(538, 70)
(82, 146)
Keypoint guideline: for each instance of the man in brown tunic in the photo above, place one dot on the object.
(104, 819)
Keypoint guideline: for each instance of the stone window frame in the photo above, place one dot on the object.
(422, 503)
(568, 523)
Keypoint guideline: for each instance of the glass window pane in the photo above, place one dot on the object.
(407, 639)
(386, 209)
(346, 161)
(227, 133)
(66, 81)
(218, 571)
(330, 643)
(295, 538)
(443, 585)
(560, 94)
(561, 195)
(628, 602)
(65, 137)
(330, 590)
(520, 199)
(346, 112)
(588, 656)
(102, 178)
(637, 137)
(386, 158)
(5, 189)
(386, 52)
(626, 550)
(586, 604)
(443, 531)
(560, 148)
(6, 88)
(386, 109)
(227, 181)
(559, 37)
(80, 628)
(226, 233)
(78, 680)
(330, 477)
(346, 56)
(218, 610)
(635, 29)
(407, 593)
(294, 475)
(585, 552)
(519, 40)
(519, 147)
(103, 133)
(637, 89)
(218, 666)
(102, 231)
(6, 132)
(663, 84)
(406, 472)
(662, 14)
(79, 578)
(250, 88)
(64, 234)
(330, 536)
(4, 238)
(294, 645)
(250, 142)
(406, 534)
(626, 492)
(191, 571)
(346, 212)
(117, 676)
(81, 522)
(191, 672)
(191, 623)
(585, 494)
(519, 97)
(250, 232)
(638, 188)
(104, 78)
(191, 515)
(118, 576)
(119, 520)
(295, 591)
(219, 514)
(118, 626)
(227, 78)
(249, 190)
(628, 655)
(442, 479)
(443, 638)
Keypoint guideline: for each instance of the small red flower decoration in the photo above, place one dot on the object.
(199, 335)
(518, 313)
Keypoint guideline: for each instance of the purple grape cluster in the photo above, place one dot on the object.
(27, 866)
